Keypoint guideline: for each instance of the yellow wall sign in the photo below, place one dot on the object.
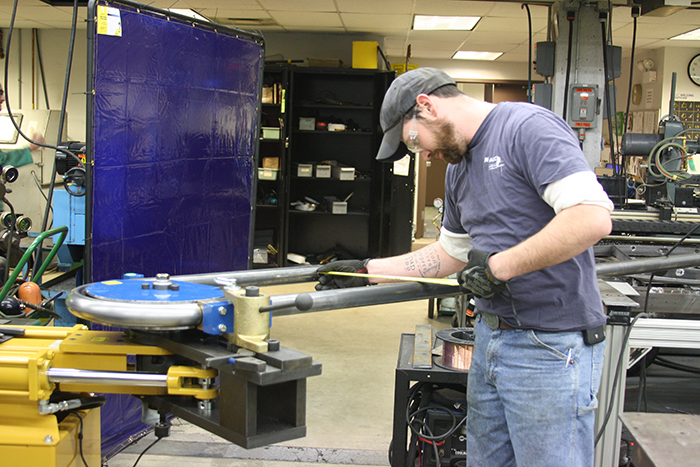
(400, 68)
(109, 21)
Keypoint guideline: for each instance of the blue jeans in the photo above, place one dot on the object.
(531, 398)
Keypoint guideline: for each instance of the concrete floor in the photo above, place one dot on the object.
(349, 406)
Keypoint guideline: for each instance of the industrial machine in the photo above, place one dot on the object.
(180, 352)
(669, 181)
(196, 346)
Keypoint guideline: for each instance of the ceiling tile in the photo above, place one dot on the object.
(487, 47)
(452, 8)
(516, 10)
(369, 22)
(479, 37)
(517, 58)
(305, 6)
(497, 24)
(428, 53)
(652, 31)
(240, 14)
(373, 6)
(306, 21)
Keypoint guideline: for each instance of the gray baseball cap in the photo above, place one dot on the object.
(399, 99)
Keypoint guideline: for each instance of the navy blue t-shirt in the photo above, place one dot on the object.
(495, 196)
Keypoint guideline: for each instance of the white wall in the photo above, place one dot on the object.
(668, 60)
(25, 93)
(676, 60)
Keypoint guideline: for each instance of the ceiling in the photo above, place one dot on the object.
(503, 27)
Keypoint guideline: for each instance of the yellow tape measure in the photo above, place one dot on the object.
(426, 280)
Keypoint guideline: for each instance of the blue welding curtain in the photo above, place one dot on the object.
(174, 129)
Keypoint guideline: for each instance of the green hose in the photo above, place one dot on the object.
(28, 254)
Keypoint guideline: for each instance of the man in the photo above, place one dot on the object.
(19, 156)
(523, 209)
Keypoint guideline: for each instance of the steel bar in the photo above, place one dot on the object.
(654, 216)
(113, 378)
(358, 296)
(134, 315)
(638, 238)
(663, 263)
(259, 277)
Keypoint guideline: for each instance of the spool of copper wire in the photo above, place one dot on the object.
(457, 348)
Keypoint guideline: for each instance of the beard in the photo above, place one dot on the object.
(449, 147)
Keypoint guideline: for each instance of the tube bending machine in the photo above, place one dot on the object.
(195, 346)
(179, 352)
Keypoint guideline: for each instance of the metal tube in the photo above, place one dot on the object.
(394, 293)
(357, 296)
(131, 314)
(637, 238)
(647, 265)
(71, 375)
(259, 277)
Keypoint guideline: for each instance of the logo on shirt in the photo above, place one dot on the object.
(494, 162)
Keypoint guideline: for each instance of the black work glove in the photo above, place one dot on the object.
(330, 281)
(476, 278)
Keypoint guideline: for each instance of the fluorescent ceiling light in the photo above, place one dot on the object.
(465, 55)
(693, 35)
(449, 23)
(189, 13)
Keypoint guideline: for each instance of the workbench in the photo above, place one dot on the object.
(405, 374)
(662, 439)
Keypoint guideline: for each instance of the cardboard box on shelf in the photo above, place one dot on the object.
(305, 170)
(267, 174)
(270, 132)
(342, 172)
(307, 123)
(267, 94)
(340, 207)
(323, 170)
(271, 162)
(260, 256)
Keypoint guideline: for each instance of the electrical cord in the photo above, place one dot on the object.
(629, 88)
(642, 374)
(570, 16)
(606, 91)
(64, 103)
(512, 305)
(529, 51)
(10, 231)
(146, 450)
(422, 398)
(38, 253)
(80, 436)
(676, 366)
(616, 378)
(7, 97)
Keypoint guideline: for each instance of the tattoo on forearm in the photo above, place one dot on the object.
(426, 261)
